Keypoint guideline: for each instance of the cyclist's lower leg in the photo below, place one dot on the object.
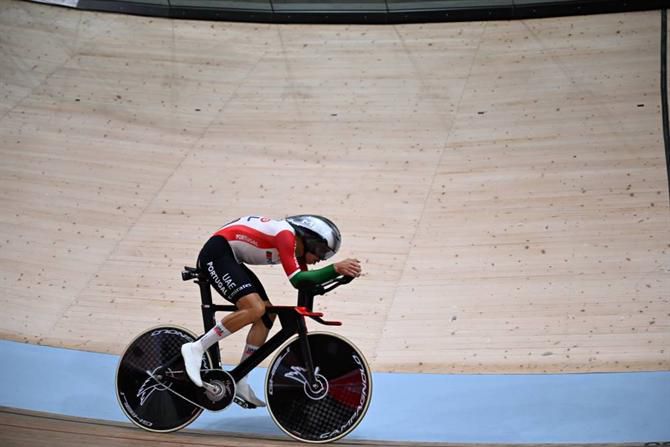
(259, 331)
(258, 334)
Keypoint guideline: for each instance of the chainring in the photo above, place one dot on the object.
(224, 393)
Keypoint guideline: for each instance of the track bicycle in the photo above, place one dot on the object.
(318, 386)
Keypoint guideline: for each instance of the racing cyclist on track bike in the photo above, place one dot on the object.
(295, 243)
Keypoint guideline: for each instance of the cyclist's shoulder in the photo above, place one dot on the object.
(262, 224)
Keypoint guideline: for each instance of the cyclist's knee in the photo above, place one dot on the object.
(257, 312)
(253, 305)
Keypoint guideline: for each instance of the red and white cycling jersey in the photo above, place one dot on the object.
(260, 240)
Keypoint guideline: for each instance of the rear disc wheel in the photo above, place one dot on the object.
(151, 405)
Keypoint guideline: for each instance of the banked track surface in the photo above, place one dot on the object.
(531, 149)
(542, 131)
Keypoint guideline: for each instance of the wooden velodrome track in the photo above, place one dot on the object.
(504, 183)
(25, 429)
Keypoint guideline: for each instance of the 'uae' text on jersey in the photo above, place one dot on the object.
(259, 240)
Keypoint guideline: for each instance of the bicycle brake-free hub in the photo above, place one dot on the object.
(317, 390)
(218, 391)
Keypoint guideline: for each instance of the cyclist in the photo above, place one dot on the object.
(295, 242)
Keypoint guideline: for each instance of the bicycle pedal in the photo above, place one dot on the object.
(244, 404)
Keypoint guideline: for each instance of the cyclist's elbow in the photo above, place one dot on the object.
(296, 283)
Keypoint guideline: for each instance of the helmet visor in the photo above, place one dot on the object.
(320, 249)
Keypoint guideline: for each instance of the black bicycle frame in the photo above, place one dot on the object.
(291, 318)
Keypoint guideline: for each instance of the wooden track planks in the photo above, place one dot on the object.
(503, 182)
(19, 428)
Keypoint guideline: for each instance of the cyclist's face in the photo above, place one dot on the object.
(311, 258)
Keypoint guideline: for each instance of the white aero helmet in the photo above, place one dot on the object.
(319, 234)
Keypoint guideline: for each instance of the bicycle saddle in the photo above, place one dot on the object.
(190, 273)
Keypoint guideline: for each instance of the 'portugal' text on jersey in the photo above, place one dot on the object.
(260, 240)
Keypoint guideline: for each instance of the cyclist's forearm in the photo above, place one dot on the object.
(317, 276)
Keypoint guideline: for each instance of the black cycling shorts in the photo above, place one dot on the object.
(231, 279)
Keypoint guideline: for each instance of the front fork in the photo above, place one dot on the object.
(307, 354)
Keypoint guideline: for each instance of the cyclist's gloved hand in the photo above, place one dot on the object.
(348, 267)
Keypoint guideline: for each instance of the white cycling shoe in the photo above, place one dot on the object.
(244, 392)
(192, 353)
